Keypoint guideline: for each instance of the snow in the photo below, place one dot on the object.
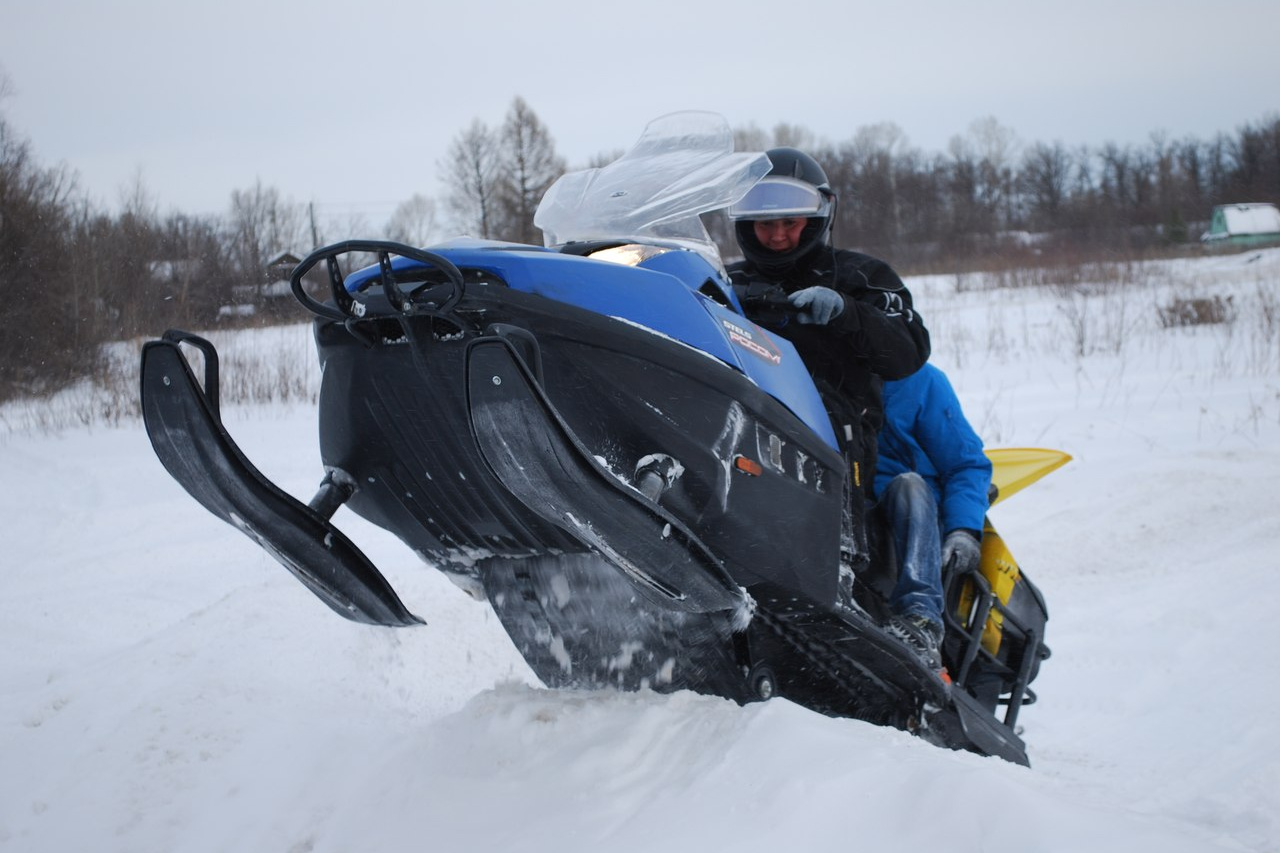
(166, 686)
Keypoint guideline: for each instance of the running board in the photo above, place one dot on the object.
(186, 431)
(539, 459)
(973, 727)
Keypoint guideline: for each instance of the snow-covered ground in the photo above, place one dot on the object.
(166, 686)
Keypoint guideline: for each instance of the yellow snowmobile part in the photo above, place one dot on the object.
(1002, 574)
(1015, 468)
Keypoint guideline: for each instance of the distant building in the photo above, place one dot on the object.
(272, 293)
(279, 269)
(281, 266)
(1243, 225)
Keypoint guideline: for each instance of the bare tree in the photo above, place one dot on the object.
(869, 186)
(262, 226)
(996, 147)
(783, 134)
(1045, 182)
(528, 164)
(471, 173)
(6, 84)
(413, 222)
(751, 138)
(194, 270)
(48, 339)
(1193, 185)
(793, 136)
(962, 189)
(1255, 156)
(129, 261)
(1116, 180)
(137, 200)
(342, 222)
(1217, 165)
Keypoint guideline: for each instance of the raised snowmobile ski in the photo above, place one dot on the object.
(186, 431)
(593, 437)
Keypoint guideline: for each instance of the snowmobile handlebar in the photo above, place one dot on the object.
(773, 300)
(767, 304)
(345, 307)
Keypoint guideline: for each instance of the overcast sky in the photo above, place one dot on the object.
(352, 104)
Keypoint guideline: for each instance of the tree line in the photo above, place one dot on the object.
(989, 196)
(75, 277)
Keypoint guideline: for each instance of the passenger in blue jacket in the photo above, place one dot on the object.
(932, 483)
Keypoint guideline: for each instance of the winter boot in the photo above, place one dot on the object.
(920, 634)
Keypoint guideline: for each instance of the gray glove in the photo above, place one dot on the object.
(816, 305)
(961, 550)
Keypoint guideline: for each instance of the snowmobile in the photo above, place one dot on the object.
(593, 437)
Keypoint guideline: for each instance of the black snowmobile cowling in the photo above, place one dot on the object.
(594, 439)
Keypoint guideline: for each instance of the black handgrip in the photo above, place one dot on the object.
(177, 336)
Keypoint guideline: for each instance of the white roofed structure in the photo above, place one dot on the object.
(1244, 223)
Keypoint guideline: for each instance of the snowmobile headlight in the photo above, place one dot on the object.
(780, 198)
(631, 255)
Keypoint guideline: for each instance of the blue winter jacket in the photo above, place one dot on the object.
(925, 431)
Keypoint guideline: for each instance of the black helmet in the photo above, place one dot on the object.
(797, 187)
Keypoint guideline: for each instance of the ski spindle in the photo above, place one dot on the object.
(336, 488)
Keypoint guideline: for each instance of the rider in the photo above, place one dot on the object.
(853, 325)
(932, 481)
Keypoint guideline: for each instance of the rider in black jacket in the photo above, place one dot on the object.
(851, 318)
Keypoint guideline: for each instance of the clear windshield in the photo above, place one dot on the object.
(682, 166)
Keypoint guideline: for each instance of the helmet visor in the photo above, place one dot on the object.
(780, 198)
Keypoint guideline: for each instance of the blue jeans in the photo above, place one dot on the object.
(912, 513)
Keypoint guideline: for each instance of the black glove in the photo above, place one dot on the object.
(816, 305)
(961, 551)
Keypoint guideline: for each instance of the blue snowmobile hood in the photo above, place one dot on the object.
(665, 293)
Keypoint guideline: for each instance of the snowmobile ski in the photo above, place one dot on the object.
(186, 431)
